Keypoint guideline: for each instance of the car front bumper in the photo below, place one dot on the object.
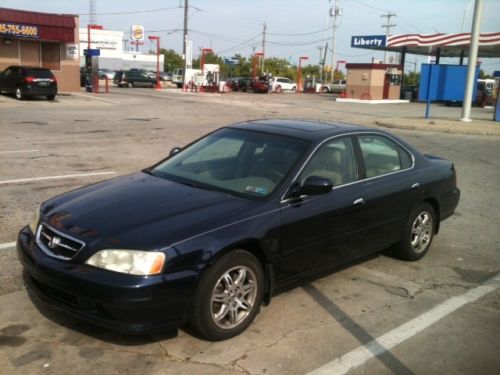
(119, 302)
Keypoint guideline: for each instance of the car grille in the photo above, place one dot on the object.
(57, 244)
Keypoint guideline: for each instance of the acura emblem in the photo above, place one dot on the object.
(54, 242)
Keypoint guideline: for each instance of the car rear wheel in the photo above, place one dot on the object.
(418, 234)
(228, 296)
(19, 94)
(51, 97)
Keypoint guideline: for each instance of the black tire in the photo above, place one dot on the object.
(19, 93)
(418, 233)
(203, 314)
(51, 97)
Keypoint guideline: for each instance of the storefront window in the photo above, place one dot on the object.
(51, 56)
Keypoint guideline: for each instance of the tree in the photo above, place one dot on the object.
(171, 60)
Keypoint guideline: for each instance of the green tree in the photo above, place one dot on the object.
(171, 60)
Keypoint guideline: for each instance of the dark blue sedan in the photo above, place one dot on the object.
(206, 235)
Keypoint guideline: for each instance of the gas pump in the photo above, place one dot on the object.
(210, 82)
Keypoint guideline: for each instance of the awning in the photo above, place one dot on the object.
(449, 45)
(35, 25)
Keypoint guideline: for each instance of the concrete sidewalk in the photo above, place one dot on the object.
(443, 125)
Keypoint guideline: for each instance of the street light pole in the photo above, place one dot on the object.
(472, 61)
(157, 38)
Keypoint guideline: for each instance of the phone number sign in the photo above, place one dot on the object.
(18, 30)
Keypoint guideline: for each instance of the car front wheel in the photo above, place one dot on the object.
(19, 94)
(419, 233)
(228, 296)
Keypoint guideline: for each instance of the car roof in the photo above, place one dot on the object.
(311, 130)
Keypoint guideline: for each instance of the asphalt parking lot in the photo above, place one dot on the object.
(382, 315)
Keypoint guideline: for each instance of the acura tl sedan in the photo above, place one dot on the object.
(205, 236)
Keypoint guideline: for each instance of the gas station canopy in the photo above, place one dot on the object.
(444, 45)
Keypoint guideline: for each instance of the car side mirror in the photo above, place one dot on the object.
(175, 151)
(315, 185)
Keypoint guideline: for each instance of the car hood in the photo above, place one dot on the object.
(141, 211)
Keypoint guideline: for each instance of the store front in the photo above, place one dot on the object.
(44, 40)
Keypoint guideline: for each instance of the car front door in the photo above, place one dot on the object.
(328, 229)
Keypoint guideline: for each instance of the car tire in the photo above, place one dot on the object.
(19, 94)
(51, 97)
(278, 89)
(294, 88)
(131, 84)
(418, 233)
(223, 307)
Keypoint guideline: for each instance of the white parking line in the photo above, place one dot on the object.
(17, 151)
(55, 177)
(386, 342)
(7, 245)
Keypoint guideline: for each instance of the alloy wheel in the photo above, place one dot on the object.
(421, 232)
(233, 297)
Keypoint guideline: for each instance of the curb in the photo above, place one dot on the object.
(438, 129)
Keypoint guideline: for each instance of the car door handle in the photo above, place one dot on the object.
(416, 185)
(359, 202)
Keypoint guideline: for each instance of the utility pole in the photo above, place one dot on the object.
(184, 41)
(472, 60)
(387, 28)
(263, 46)
(320, 63)
(92, 12)
(335, 13)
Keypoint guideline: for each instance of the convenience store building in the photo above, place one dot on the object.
(42, 39)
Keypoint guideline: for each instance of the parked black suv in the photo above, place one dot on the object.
(133, 78)
(24, 81)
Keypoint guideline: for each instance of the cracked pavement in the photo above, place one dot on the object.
(303, 327)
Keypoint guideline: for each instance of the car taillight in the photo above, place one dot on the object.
(53, 79)
(29, 79)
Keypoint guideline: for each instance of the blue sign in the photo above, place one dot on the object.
(231, 61)
(93, 52)
(368, 41)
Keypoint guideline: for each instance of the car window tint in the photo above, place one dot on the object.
(382, 155)
(335, 161)
(39, 73)
(222, 148)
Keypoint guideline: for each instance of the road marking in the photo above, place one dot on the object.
(7, 245)
(386, 342)
(17, 151)
(55, 177)
(94, 97)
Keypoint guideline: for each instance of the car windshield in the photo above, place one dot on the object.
(240, 162)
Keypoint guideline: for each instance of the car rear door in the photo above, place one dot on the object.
(321, 231)
(8, 80)
(391, 185)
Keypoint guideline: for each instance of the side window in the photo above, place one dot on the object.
(335, 161)
(382, 155)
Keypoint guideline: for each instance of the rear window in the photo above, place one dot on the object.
(38, 73)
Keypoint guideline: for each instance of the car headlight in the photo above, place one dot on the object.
(133, 262)
(34, 221)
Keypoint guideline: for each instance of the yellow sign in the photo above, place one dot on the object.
(137, 32)
(18, 30)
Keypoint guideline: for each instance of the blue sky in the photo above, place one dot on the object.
(234, 26)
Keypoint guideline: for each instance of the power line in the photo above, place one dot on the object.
(130, 12)
(302, 34)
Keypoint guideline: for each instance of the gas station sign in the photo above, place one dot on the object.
(369, 41)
